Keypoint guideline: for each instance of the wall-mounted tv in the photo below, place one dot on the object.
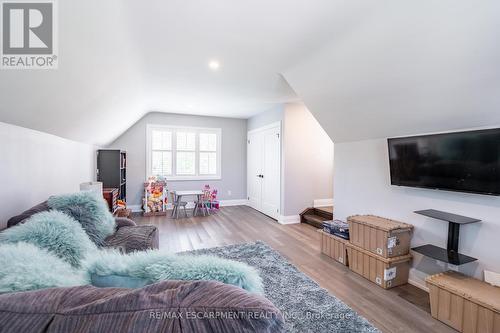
(460, 161)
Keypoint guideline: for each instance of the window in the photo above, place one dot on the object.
(208, 153)
(183, 153)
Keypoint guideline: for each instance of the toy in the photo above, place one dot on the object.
(121, 210)
(210, 198)
(155, 197)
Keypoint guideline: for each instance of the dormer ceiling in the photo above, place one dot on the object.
(364, 69)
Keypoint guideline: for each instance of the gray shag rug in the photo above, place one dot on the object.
(305, 305)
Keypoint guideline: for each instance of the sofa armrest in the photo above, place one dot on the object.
(134, 238)
(124, 222)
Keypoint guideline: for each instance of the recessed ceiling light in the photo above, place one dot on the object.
(214, 65)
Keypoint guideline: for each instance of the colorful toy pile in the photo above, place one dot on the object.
(210, 198)
(155, 197)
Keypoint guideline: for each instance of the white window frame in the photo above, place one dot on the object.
(174, 130)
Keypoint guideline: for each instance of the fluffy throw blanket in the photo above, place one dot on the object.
(155, 266)
(90, 210)
(55, 232)
(27, 267)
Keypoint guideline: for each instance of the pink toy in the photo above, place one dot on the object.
(210, 198)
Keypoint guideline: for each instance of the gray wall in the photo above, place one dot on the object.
(35, 165)
(362, 185)
(270, 116)
(233, 154)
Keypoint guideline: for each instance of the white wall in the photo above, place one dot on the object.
(35, 165)
(232, 186)
(307, 160)
(362, 185)
(307, 156)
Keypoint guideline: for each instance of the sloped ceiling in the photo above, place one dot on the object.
(95, 93)
(364, 68)
(406, 67)
(122, 59)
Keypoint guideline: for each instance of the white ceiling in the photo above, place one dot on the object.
(364, 68)
(406, 67)
(122, 59)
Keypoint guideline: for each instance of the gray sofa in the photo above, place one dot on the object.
(168, 306)
(128, 237)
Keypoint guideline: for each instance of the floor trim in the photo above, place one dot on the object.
(323, 202)
(135, 208)
(234, 202)
(291, 219)
(418, 284)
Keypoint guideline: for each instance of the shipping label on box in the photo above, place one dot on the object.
(389, 273)
(392, 242)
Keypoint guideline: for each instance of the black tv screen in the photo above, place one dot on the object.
(460, 161)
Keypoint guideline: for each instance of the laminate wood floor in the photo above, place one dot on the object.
(299, 243)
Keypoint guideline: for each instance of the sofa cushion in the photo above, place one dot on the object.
(42, 207)
(133, 238)
(169, 306)
(27, 267)
(90, 210)
(54, 231)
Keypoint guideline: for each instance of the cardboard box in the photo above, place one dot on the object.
(464, 303)
(385, 272)
(381, 236)
(334, 247)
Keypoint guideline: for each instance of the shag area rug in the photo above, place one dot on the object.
(305, 305)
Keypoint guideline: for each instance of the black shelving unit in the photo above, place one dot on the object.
(450, 254)
(112, 170)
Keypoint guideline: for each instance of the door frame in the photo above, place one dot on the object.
(277, 124)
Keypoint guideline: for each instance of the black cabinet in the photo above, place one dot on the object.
(112, 170)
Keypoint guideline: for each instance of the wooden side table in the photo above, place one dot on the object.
(111, 196)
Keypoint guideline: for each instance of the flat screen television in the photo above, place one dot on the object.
(460, 161)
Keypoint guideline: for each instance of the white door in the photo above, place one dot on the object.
(271, 167)
(254, 169)
(264, 170)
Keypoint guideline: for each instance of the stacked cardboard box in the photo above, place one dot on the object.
(334, 247)
(379, 249)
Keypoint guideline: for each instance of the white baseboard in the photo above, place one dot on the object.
(323, 202)
(190, 205)
(235, 202)
(418, 284)
(291, 219)
(135, 208)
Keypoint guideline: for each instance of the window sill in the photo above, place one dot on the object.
(192, 178)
